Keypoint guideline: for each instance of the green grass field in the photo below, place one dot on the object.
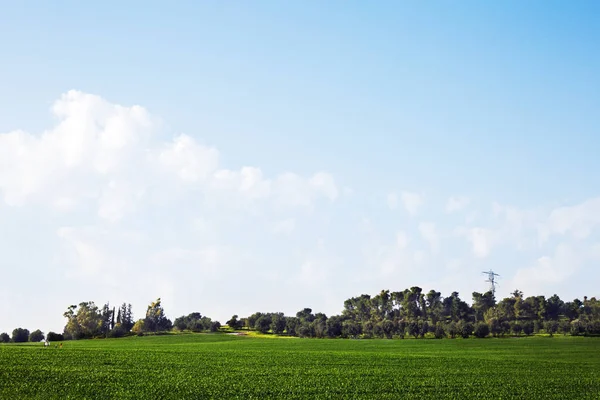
(224, 366)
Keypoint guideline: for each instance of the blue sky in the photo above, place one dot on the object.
(389, 145)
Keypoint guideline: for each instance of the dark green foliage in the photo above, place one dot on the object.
(215, 326)
(263, 323)
(465, 329)
(4, 338)
(20, 335)
(54, 337)
(156, 319)
(528, 328)
(36, 336)
(195, 322)
(481, 330)
(291, 325)
(439, 331)
(350, 329)
(452, 329)
(334, 326)
(551, 327)
(516, 328)
(117, 332)
(277, 323)
(234, 323)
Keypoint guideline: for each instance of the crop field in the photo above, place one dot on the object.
(195, 366)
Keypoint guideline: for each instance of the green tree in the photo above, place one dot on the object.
(551, 327)
(291, 326)
(413, 329)
(36, 336)
(83, 321)
(388, 328)
(126, 315)
(20, 335)
(516, 328)
(54, 337)
(234, 323)
(528, 328)
(439, 330)
(107, 319)
(334, 326)
(4, 338)
(156, 320)
(277, 323)
(263, 323)
(350, 329)
(452, 329)
(465, 328)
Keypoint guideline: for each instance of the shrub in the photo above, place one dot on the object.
(439, 331)
(528, 328)
(481, 330)
(54, 337)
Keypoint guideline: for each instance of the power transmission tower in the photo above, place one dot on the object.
(491, 280)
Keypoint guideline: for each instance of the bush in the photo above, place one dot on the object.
(577, 328)
(117, 332)
(551, 327)
(4, 338)
(138, 327)
(439, 331)
(54, 337)
(215, 326)
(465, 328)
(528, 328)
(481, 330)
(452, 329)
(516, 328)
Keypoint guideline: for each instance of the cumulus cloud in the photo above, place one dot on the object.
(187, 159)
(110, 154)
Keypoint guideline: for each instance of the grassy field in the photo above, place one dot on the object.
(227, 367)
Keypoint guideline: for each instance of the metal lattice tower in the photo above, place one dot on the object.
(491, 280)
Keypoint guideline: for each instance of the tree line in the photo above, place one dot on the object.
(411, 313)
(86, 320)
(417, 314)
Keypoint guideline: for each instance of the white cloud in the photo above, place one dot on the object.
(110, 155)
(430, 234)
(578, 220)
(482, 240)
(548, 271)
(457, 203)
(411, 202)
(190, 161)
